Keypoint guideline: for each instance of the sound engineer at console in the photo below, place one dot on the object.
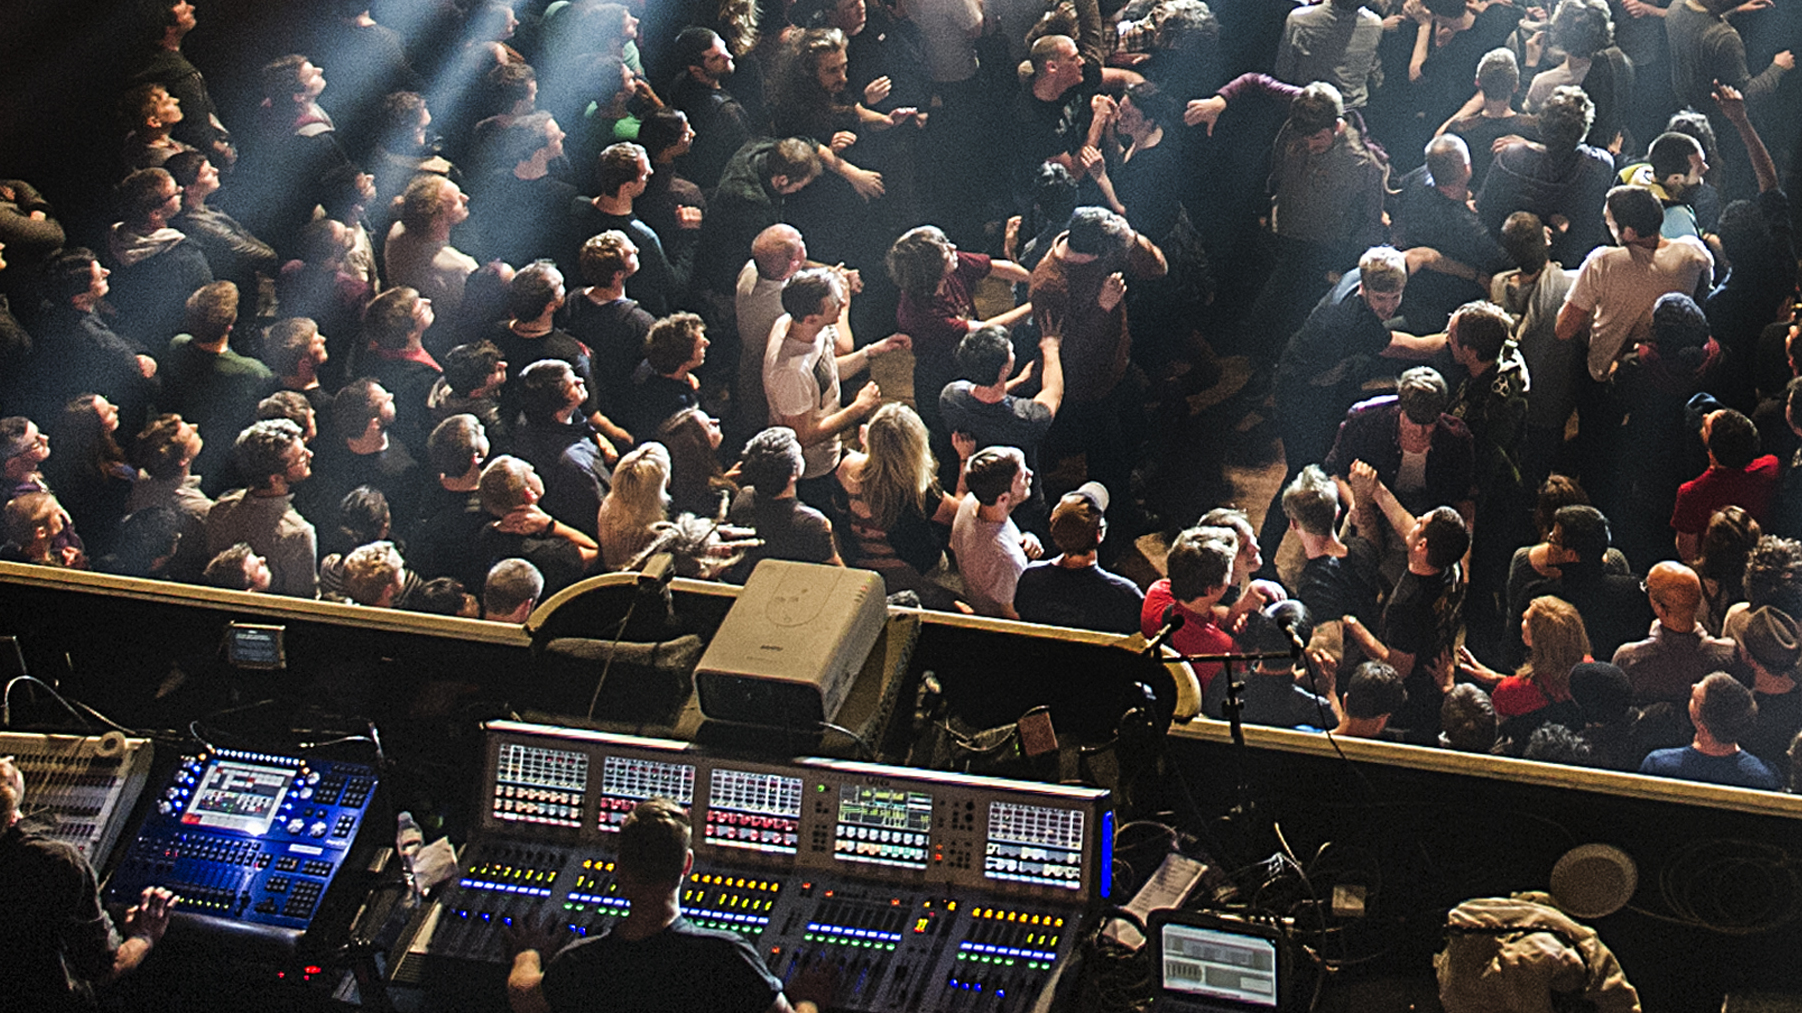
(56, 943)
(655, 960)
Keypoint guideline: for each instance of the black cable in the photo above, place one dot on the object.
(607, 666)
(1701, 880)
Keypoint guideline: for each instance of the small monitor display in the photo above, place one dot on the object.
(1034, 844)
(1220, 965)
(255, 646)
(626, 781)
(537, 785)
(761, 812)
(883, 826)
(239, 796)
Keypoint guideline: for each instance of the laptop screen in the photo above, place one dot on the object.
(1239, 969)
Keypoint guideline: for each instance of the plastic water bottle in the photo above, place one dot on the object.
(408, 839)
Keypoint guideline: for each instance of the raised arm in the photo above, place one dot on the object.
(1733, 106)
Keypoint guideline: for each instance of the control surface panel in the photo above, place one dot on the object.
(925, 890)
(252, 838)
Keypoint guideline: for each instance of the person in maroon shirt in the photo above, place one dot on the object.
(1736, 476)
(938, 306)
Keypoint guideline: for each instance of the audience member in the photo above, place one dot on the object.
(272, 456)
(418, 252)
(1736, 476)
(1723, 712)
(1538, 693)
(766, 503)
(1200, 564)
(697, 483)
(810, 348)
(238, 568)
(1374, 693)
(91, 474)
(510, 491)
(1071, 588)
(155, 266)
(165, 454)
(1679, 651)
(1770, 648)
(1613, 608)
(991, 551)
(635, 505)
(511, 591)
(890, 513)
(394, 328)
(205, 380)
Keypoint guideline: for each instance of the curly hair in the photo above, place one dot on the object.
(1581, 28)
(800, 105)
(1774, 574)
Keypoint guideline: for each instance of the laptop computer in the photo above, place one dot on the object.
(1210, 963)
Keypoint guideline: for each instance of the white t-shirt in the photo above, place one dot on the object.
(1620, 284)
(945, 34)
(802, 379)
(989, 557)
(758, 304)
(1547, 81)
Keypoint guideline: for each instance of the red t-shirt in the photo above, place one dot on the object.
(1749, 488)
(1198, 634)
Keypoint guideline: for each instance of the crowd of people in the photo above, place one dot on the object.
(474, 304)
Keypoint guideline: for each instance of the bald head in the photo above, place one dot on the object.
(1676, 593)
(778, 252)
(1448, 160)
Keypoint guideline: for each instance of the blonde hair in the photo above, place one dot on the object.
(900, 467)
(1560, 643)
(1383, 269)
(370, 570)
(638, 499)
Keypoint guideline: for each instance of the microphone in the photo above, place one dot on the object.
(1287, 619)
(1172, 621)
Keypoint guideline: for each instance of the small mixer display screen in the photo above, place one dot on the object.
(883, 826)
(761, 812)
(625, 782)
(239, 796)
(1034, 844)
(537, 785)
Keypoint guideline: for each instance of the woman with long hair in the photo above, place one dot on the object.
(938, 285)
(1539, 691)
(90, 473)
(893, 516)
(697, 484)
(637, 502)
(1727, 545)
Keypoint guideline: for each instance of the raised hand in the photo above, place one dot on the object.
(1112, 291)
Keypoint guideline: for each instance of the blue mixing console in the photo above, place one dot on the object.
(249, 840)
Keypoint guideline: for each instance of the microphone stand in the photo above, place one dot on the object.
(1244, 805)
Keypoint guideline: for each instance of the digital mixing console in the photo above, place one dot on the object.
(252, 842)
(82, 788)
(925, 890)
